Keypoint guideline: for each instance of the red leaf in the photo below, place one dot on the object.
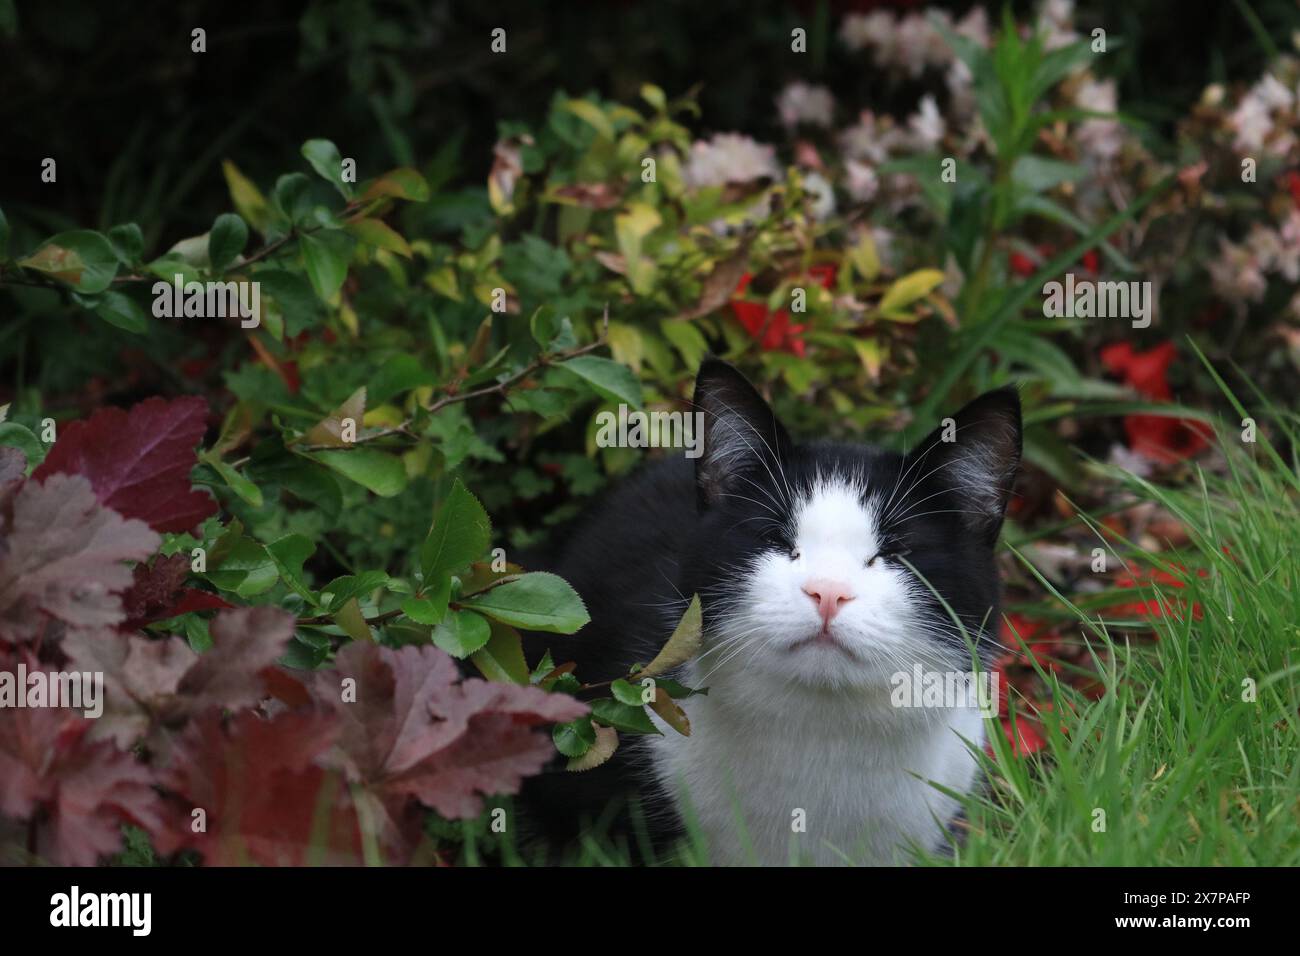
(157, 594)
(76, 792)
(139, 462)
(244, 642)
(414, 731)
(264, 798)
(61, 557)
(151, 683)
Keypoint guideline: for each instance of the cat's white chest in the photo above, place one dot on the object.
(814, 776)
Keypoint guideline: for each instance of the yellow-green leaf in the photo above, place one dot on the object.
(682, 646)
(909, 288)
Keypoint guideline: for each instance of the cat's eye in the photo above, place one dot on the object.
(886, 553)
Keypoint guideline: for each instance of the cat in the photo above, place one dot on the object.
(817, 566)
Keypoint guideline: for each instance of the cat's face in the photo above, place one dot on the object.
(812, 561)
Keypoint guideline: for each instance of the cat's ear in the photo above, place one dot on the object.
(975, 455)
(741, 433)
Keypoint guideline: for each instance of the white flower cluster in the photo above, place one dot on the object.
(1240, 274)
(803, 103)
(1265, 119)
(729, 158)
(1101, 139)
(911, 43)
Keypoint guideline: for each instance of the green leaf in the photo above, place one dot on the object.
(910, 288)
(608, 379)
(303, 656)
(461, 532)
(1039, 173)
(324, 157)
(293, 294)
(592, 115)
(353, 622)
(574, 738)
(343, 589)
(620, 716)
(461, 633)
(539, 601)
(502, 657)
(248, 569)
(81, 258)
(604, 747)
(127, 241)
(248, 199)
(626, 693)
(399, 374)
(226, 240)
(119, 309)
(403, 183)
(237, 483)
(684, 643)
(326, 254)
(432, 607)
(4, 236)
(380, 472)
(630, 229)
(424, 611)
(377, 233)
(289, 554)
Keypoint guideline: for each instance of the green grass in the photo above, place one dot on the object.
(1186, 768)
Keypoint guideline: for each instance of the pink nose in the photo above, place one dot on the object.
(829, 596)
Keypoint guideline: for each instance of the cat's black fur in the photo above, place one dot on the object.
(676, 527)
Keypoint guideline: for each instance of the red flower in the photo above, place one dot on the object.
(1021, 264)
(1293, 184)
(1159, 605)
(825, 275)
(1026, 738)
(1157, 437)
(773, 330)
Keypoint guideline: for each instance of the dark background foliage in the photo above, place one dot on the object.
(140, 124)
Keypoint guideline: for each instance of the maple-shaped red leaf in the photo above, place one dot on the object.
(151, 684)
(140, 678)
(245, 641)
(74, 793)
(61, 555)
(412, 730)
(262, 796)
(139, 461)
(157, 592)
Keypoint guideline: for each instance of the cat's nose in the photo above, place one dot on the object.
(829, 596)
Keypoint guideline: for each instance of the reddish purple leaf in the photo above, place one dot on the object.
(157, 593)
(264, 798)
(413, 730)
(139, 462)
(78, 793)
(61, 555)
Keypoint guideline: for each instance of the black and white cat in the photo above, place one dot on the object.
(800, 554)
